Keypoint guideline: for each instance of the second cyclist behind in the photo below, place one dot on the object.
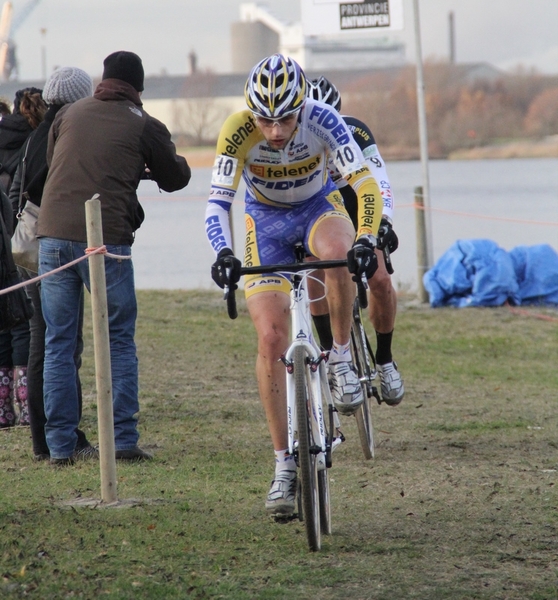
(382, 306)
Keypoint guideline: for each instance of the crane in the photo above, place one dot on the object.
(8, 62)
(22, 14)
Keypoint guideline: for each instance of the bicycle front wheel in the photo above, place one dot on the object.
(307, 457)
(325, 502)
(362, 357)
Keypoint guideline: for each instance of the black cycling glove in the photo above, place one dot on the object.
(387, 237)
(362, 259)
(225, 259)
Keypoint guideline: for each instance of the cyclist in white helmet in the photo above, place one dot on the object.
(280, 146)
(383, 299)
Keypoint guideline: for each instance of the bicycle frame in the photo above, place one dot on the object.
(301, 330)
(301, 335)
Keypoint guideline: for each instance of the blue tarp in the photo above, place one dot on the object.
(480, 273)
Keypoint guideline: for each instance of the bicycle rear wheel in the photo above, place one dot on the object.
(307, 458)
(363, 359)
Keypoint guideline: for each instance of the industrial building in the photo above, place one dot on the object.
(194, 106)
(259, 33)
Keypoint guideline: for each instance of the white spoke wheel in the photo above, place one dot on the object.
(307, 460)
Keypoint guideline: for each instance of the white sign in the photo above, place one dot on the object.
(326, 17)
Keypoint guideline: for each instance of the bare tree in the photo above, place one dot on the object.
(461, 112)
(542, 116)
(200, 114)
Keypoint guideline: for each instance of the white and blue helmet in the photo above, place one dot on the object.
(276, 87)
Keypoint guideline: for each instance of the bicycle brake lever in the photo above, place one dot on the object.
(362, 286)
(387, 259)
(227, 287)
(228, 295)
(385, 250)
(364, 281)
(358, 258)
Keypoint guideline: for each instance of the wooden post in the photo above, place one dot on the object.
(103, 375)
(422, 249)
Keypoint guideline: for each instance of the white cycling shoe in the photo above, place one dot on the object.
(391, 384)
(346, 390)
(281, 496)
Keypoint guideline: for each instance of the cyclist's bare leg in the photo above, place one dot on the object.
(270, 314)
(382, 300)
(332, 240)
(382, 305)
(319, 309)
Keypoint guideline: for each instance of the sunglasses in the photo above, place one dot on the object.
(283, 121)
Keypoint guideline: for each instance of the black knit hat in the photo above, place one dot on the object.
(125, 66)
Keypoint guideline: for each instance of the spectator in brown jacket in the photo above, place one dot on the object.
(99, 145)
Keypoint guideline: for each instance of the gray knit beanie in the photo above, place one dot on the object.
(66, 85)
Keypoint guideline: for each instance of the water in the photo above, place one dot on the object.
(519, 195)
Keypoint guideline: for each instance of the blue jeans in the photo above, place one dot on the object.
(61, 295)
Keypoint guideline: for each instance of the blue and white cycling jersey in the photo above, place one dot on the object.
(288, 177)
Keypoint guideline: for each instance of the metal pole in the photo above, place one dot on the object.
(43, 53)
(421, 243)
(103, 375)
(451, 38)
(423, 136)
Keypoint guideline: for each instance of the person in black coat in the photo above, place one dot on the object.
(29, 110)
(65, 86)
(15, 128)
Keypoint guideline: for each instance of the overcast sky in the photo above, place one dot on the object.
(505, 33)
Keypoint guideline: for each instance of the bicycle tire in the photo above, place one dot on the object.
(324, 502)
(299, 499)
(323, 474)
(362, 357)
(307, 460)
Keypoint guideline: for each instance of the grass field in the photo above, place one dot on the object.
(459, 503)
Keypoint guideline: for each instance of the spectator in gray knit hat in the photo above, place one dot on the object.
(67, 85)
(64, 87)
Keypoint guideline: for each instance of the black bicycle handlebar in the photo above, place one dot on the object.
(362, 285)
(293, 267)
(229, 294)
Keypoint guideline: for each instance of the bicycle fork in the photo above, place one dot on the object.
(317, 422)
(323, 444)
